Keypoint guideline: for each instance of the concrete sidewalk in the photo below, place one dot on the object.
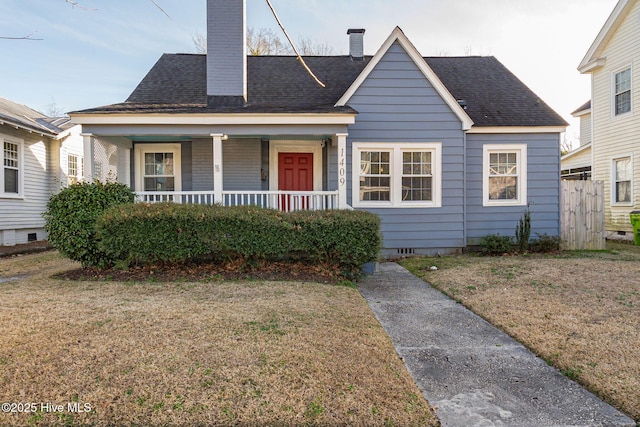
(473, 373)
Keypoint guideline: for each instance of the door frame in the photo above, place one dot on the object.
(313, 147)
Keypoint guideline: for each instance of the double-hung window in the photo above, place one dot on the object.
(504, 175)
(396, 175)
(622, 174)
(12, 168)
(622, 92)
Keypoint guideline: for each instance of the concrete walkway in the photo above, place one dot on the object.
(471, 372)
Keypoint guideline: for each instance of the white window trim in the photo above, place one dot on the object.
(141, 149)
(521, 155)
(613, 181)
(613, 92)
(277, 146)
(395, 166)
(20, 143)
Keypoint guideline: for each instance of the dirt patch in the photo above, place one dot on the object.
(196, 353)
(237, 270)
(579, 311)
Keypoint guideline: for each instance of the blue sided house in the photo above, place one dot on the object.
(445, 150)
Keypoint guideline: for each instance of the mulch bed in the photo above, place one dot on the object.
(212, 271)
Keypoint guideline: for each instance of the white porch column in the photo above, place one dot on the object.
(342, 170)
(217, 167)
(88, 156)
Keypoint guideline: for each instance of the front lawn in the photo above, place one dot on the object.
(195, 353)
(580, 311)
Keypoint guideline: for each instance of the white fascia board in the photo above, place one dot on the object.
(582, 112)
(592, 59)
(517, 129)
(400, 37)
(576, 151)
(214, 119)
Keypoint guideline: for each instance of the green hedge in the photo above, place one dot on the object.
(147, 234)
(71, 215)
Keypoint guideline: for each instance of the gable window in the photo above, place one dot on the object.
(505, 175)
(396, 175)
(622, 92)
(12, 168)
(622, 180)
(158, 167)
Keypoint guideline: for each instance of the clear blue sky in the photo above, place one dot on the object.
(97, 54)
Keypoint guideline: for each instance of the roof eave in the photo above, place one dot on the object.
(342, 118)
(593, 55)
(28, 128)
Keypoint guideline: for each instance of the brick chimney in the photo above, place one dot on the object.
(356, 43)
(226, 53)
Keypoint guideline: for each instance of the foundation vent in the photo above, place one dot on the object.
(406, 251)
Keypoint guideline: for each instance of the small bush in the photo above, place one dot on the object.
(523, 232)
(545, 243)
(71, 215)
(144, 234)
(495, 244)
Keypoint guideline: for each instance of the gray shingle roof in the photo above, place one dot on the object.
(177, 84)
(28, 118)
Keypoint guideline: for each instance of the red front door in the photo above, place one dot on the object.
(295, 173)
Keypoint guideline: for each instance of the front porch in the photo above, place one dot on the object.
(285, 172)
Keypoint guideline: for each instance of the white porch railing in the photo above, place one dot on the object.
(282, 200)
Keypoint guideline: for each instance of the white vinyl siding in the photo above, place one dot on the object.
(615, 137)
(397, 175)
(504, 175)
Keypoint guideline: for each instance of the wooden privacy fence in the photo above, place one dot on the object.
(582, 215)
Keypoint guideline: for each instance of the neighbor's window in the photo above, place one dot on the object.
(505, 175)
(622, 92)
(72, 169)
(396, 175)
(623, 173)
(11, 176)
(159, 172)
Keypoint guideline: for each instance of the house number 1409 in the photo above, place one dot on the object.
(342, 171)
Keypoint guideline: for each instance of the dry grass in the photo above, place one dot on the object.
(579, 311)
(223, 353)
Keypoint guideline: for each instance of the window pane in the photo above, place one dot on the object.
(623, 80)
(503, 188)
(416, 163)
(623, 170)
(623, 102)
(375, 189)
(623, 191)
(417, 188)
(11, 154)
(11, 180)
(374, 163)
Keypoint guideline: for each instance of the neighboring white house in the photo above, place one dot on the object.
(612, 61)
(38, 155)
(576, 164)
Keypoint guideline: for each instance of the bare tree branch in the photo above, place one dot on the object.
(27, 37)
(75, 4)
(163, 11)
(275, 15)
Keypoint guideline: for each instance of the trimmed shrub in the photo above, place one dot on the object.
(144, 234)
(495, 244)
(71, 215)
